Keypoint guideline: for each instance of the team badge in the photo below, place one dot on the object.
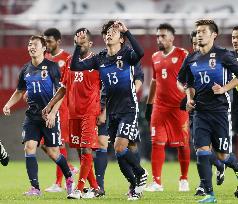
(174, 60)
(119, 64)
(213, 54)
(61, 63)
(212, 63)
(44, 74)
(44, 67)
(119, 57)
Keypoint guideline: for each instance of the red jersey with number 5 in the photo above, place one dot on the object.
(82, 91)
(165, 72)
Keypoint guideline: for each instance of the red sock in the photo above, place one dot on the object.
(59, 173)
(92, 179)
(184, 160)
(86, 165)
(157, 161)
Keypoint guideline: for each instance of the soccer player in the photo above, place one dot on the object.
(234, 108)
(181, 83)
(208, 72)
(39, 77)
(116, 67)
(4, 157)
(58, 55)
(82, 90)
(169, 125)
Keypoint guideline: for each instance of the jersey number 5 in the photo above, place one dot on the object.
(164, 73)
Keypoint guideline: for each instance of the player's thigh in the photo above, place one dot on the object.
(64, 126)
(222, 137)
(89, 133)
(75, 133)
(30, 130)
(113, 124)
(52, 137)
(128, 127)
(103, 136)
(202, 130)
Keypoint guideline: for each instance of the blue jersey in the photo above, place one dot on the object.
(40, 83)
(117, 74)
(202, 71)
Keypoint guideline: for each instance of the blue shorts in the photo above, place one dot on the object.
(124, 125)
(36, 129)
(212, 128)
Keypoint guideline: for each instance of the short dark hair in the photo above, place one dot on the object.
(211, 24)
(192, 35)
(167, 27)
(39, 37)
(88, 33)
(53, 32)
(235, 28)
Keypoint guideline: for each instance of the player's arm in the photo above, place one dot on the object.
(181, 78)
(16, 96)
(139, 77)
(150, 99)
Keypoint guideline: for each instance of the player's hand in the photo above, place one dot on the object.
(6, 110)
(45, 112)
(190, 105)
(101, 119)
(50, 122)
(80, 37)
(217, 89)
(120, 26)
(148, 112)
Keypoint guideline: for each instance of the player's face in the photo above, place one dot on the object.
(195, 44)
(52, 44)
(205, 36)
(164, 39)
(85, 45)
(113, 36)
(235, 39)
(35, 48)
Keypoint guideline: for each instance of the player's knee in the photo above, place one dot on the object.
(222, 156)
(53, 152)
(30, 148)
(103, 142)
(119, 148)
(133, 147)
(86, 151)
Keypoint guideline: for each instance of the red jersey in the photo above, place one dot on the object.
(82, 92)
(165, 72)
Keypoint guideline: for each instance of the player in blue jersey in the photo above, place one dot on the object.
(181, 83)
(116, 67)
(4, 157)
(208, 75)
(40, 78)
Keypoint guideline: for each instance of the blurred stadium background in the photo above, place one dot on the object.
(19, 19)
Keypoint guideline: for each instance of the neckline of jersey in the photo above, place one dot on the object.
(166, 55)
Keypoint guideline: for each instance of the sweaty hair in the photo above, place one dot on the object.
(53, 32)
(39, 37)
(192, 35)
(235, 28)
(86, 30)
(167, 27)
(210, 23)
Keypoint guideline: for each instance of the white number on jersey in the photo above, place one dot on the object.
(78, 76)
(223, 144)
(36, 86)
(164, 73)
(205, 79)
(112, 78)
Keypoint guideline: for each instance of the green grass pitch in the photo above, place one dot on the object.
(13, 182)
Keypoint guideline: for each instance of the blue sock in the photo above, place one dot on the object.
(100, 165)
(126, 168)
(205, 170)
(216, 162)
(32, 170)
(62, 163)
(231, 161)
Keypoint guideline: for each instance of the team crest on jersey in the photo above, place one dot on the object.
(44, 67)
(119, 64)
(212, 54)
(174, 60)
(61, 63)
(212, 63)
(44, 74)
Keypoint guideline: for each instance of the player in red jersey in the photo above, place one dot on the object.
(55, 54)
(82, 90)
(169, 125)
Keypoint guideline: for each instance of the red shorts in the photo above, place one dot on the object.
(64, 126)
(83, 132)
(170, 126)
